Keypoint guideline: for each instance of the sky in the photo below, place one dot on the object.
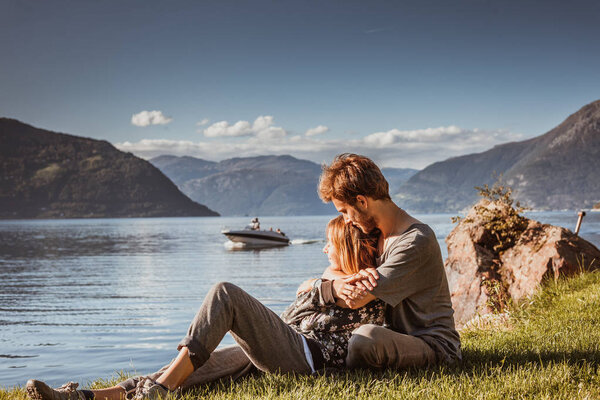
(406, 83)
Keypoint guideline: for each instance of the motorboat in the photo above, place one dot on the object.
(257, 237)
(253, 236)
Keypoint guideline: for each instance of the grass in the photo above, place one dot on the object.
(548, 348)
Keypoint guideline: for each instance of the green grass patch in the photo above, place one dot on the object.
(548, 348)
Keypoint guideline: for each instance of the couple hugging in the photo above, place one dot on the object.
(382, 303)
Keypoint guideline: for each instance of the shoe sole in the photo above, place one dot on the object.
(32, 391)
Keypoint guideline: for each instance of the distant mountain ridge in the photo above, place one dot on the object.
(263, 185)
(557, 170)
(44, 174)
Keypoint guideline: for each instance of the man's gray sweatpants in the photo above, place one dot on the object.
(263, 339)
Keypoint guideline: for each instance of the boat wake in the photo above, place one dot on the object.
(229, 245)
(307, 241)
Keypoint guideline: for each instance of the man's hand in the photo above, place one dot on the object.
(355, 288)
(366, 279)
(305, 286)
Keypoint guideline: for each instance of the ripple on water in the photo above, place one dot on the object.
(16, 356)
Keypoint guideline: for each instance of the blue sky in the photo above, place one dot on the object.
(405, 82)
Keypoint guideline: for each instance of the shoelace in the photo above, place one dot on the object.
(68, 387)
(71, 387)
(140, 385)
(141, 389)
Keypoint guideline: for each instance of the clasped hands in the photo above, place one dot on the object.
(355, 287)
(351, 289)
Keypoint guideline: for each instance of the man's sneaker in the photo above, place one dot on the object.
(150, 390)
(38, 390)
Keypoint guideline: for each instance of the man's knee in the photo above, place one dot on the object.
(362, 347)
(374, 346)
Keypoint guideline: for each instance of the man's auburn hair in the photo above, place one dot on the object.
(350, 175)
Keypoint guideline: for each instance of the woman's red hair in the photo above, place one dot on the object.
(355, 249)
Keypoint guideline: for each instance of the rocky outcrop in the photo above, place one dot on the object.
(544, 251)
(484, 274)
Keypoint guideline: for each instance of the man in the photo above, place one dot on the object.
(410, 277)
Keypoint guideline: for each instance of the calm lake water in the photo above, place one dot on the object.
(81, 299)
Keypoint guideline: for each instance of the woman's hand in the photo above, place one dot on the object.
(305, 286)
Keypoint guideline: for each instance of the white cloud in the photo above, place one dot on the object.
(317, 131)
(394, 148)
(262, 127)
(395, 136)
(222, 128)
(146, 118)
(262, 122)
(203, 122)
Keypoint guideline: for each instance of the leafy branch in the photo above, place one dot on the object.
(501, 216)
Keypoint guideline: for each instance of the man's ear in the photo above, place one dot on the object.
(362, 201)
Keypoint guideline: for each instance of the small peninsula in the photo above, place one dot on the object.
(45, 174)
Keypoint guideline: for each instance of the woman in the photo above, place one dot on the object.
(309, 335)
(348, 251)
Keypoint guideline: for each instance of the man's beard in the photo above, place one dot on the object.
(365, 223)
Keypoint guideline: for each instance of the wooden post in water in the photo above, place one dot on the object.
(581, 214)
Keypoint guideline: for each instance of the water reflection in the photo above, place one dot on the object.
(58, 244)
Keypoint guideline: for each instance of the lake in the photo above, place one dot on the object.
(81, 299)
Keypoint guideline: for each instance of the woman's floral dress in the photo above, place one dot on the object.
(330, 325)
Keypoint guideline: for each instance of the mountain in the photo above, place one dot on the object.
(45, 174)
(264, 185)
(396, 177)
(557, 170)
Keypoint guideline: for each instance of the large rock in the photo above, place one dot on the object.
(544, 251)
(483, 276)
(464, 266)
